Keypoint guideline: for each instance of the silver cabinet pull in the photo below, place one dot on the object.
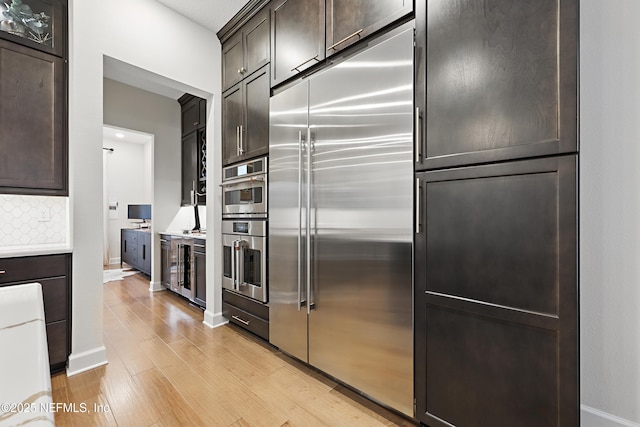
(357, 33)
(237, 140)
(242, 70)
(242, 150)
(418, 138)
(195, 123)
(3, 271)
(418, 207)
(315, 58)
(244, 322)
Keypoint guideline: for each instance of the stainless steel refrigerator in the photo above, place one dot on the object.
(341, 220)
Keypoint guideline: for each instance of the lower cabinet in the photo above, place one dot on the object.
(53, 272)
(496, 326)
(246, 313)
(200, 271)
(135, 249)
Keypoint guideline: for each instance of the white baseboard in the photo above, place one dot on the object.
(591, 417)
(214, 320)
(114, 261)
(86, 360)
(156, 286)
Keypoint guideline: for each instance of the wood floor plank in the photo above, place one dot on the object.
(166, 368)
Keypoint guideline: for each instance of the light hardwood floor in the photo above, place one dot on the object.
(166, 368)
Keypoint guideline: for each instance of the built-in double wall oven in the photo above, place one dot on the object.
(244, 226)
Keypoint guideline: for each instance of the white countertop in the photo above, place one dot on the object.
(25, 394)
(202, 236)
(31, 250)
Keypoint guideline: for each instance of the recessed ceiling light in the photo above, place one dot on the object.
(119, 135)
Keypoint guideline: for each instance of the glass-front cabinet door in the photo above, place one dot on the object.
(39, 24)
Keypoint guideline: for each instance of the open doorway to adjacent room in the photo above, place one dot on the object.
(127, 191)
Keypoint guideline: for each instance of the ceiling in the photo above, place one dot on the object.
(211, 14)
(112, 133)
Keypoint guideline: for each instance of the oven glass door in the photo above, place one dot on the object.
(244, 263)
(247, 197)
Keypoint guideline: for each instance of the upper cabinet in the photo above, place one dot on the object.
(194, 150)
(247, 50)
(33, 134)
(245, 118)
(510, 89)
(33, 97)
(38, 24)
(350, 20)
(194, 113)
(297, 37)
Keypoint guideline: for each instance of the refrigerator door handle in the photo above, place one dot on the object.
(301, 298)
(311, 303)
(418, 139)
(418, 207)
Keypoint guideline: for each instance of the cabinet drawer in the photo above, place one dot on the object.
(246, 320)
(31, 268)
(246, 304)
(57, 343)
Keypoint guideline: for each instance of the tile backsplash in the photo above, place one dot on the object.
(33, 220)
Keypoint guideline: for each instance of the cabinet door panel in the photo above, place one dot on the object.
(190, 116)
(297, 37)
(232, 106)
(189, 167)
(50, 37)
(350, 20)
(33, 153)
(58, 343)
(256, 41)
(200, 259)
(232, 61)
(496, 294)
(255, 138)
(500, 80)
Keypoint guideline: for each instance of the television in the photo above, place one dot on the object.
(139, 212)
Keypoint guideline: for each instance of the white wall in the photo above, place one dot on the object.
(610, 212)
(129, 179)
(152, 37)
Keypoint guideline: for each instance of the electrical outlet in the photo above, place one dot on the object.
(44, 214)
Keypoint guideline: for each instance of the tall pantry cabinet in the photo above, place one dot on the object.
(496, 282)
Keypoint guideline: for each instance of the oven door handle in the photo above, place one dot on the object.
(258, 178)
(239, 248)
(234, 271)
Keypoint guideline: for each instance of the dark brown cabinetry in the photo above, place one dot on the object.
(297, 37)
(135, 249)
(496, 302)
(165, 260)
(245, 118)
(247, 50)
(510, 89)
(53, 272)
(33, 90)
(200, 271)
(348, 21)
(496, 295)
(42, 25)
(33, 135)
(194, 113)
(246, 313)
(194, 150)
